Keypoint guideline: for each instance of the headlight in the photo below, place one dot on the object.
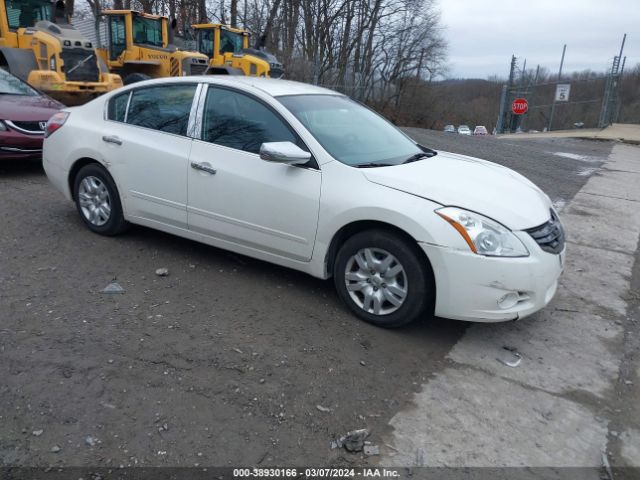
(3, 127)
(483, 235)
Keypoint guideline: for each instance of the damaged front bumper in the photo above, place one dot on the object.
(493, 289)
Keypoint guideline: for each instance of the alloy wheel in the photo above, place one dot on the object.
(376, 281)
(94, 200)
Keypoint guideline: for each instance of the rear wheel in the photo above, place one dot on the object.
(98, 201)
(383, 280)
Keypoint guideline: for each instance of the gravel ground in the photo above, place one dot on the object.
(225, 361)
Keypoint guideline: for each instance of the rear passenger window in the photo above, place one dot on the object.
(238, 121)
(165, 108)
(118, 107)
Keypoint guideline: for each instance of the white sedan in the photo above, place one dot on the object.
(464, 130)
(306, 178)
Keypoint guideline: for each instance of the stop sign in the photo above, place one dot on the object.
(519, 106)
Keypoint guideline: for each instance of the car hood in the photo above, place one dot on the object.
(466, 182)
(24, 108)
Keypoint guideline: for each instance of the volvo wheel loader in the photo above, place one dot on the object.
(229, 54)
(53, 57)
(138, 48)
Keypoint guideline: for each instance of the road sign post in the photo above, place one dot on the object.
(518, 108)
(553, 105)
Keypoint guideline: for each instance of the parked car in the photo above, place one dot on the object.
(450, 129)
(306, 178)
(23, 115)
(480, 130)
(464, 130)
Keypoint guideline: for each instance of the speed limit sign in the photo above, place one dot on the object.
(562, 92)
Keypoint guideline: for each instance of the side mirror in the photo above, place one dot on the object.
(284, 152)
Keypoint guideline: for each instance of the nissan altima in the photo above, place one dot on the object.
(307, 178)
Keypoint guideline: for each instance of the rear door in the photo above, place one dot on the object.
(149, 148)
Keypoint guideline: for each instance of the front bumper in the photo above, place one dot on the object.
(470, 286)
(18, 146)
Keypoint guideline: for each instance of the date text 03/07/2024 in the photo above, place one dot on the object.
(337, 473)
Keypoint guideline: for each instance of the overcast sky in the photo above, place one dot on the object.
(483, 34)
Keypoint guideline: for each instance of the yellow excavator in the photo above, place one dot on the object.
(229, 54)
(39, 46)
(139, 47)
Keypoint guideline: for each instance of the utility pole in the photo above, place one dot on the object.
(611, 90)
(553, 105)
(507, 91)
(524, 69)
(621, 86)
(530, 94)
(503, 97)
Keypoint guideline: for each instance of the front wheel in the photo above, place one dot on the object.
(383, 280)
(98, 201)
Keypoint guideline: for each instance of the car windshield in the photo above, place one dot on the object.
(350, 132)
(147, 31)
(10, 85)
(23, 14)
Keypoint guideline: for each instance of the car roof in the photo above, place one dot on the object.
(273, 87)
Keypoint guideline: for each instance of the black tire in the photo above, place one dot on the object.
(134, 78)
(114, 223)
(416, 278)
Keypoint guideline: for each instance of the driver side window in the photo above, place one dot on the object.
(235, 120)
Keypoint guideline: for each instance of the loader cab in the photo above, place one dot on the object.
(149, 31)
(132, 28)
(215, 40)
(24, 13)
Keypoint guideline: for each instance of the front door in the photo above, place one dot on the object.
(235, 196)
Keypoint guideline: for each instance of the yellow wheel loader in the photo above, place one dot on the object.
(53, 57)
(138, 48)
(229, 54)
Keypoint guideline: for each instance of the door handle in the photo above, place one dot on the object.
(203, 168)
(114, 140)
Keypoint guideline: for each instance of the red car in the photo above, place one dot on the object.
(23, 116)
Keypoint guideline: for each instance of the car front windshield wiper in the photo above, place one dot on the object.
(373, 165)
(419, 156)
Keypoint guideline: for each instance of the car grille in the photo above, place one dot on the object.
(549, 235)
(80, 65)
(29, 127)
